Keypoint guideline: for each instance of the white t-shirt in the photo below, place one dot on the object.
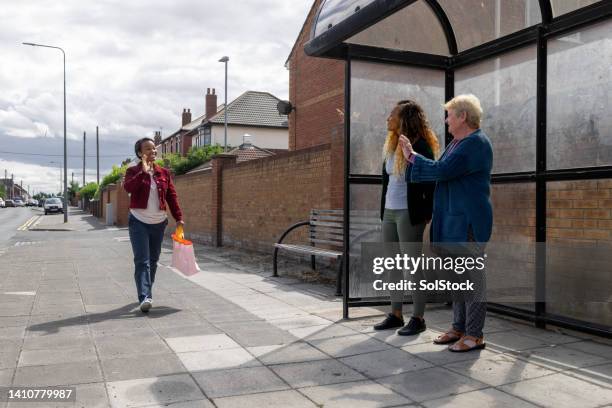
(152, 214)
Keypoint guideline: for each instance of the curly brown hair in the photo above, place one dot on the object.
(414, 124)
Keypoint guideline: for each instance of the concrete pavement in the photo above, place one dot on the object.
(231, 336)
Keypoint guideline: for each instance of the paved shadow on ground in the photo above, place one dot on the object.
(129, 311)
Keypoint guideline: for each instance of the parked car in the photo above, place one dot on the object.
(31, 202)
(19, 203)
(9, 203)
(53, 204)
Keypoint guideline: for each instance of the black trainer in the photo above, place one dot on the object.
(390, 322)
(414, 326)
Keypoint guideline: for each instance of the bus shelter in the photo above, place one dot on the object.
(542, 70)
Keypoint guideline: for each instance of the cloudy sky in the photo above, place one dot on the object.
(132, 66)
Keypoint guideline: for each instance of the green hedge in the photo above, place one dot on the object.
(89, 190)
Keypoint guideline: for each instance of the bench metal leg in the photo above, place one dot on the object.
(339, 278)
(313, 263)
(274, 263)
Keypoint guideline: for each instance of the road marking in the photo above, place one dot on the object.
(22, 243)
(21, 293)
(28, 223)
(121, 239)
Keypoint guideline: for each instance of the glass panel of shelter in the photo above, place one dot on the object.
(579, 243)
(413, 28)
(476, 22)
(333, 12)
(506, 86)
(579, 84)
(511, 251)
(375, 90)
(565, 6)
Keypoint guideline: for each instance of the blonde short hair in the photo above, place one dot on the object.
(469, 104)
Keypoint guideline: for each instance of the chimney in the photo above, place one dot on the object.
(157, 137)
(247, 141)
(211, 103)
(186, 116)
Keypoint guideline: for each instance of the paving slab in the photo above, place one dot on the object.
(129, 344)
(600, 375)
(277, 399)
(349, 345)
(439, 354)
(290, 353)
(217, 359)
(313, 373)
(151, 391)
(362, 394)
(8, 359)
(490, 398)
(592, 347)
(142, 367)
(390, 337)
(201, 343)
(430, 383)
(6, 377)
(58, 374)
(240, 381)
(560, 358)
(57, 356)
(560, 391)
(257, 333)
(385, 363)
(499, 369)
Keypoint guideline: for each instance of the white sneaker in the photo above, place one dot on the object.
(146, 305)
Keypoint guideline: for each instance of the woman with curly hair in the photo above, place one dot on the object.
(406, 208)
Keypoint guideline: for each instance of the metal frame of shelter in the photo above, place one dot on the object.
(331, 43)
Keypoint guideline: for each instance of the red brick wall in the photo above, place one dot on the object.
(261, 198)
(195, 198)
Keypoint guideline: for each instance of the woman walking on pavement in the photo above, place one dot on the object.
(151, 193)
(406, 207)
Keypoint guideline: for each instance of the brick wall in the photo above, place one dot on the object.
(261, 198)
(250, 204)
(195, 197)
(579, 255)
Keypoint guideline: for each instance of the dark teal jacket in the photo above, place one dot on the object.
(462, 195)
(420, 195)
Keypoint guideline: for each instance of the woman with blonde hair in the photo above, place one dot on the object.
(406, 208)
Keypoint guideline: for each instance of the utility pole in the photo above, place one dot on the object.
(97, 157)
(12, 185)
(84, 144)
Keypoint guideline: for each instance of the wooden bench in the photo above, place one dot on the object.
(326, 238)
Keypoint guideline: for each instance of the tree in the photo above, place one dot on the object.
(88, 191)
(73, 189)
(3, 191)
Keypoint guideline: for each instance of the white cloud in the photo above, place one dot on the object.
(133, 66)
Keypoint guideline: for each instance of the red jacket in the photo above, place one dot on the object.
(137, 182)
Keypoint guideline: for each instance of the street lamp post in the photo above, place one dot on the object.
(65, 143)
(225, 60)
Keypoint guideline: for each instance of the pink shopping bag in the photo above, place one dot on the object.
(183, 257)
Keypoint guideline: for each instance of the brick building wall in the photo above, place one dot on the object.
(316, 90)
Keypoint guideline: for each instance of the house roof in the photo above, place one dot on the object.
(252, 108)
(247, 151)
(244, 152)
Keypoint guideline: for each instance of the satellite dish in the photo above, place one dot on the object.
(284, 107)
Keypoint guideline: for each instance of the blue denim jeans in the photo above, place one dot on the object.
(146, 242)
